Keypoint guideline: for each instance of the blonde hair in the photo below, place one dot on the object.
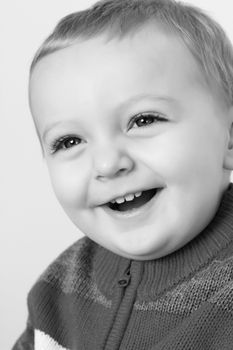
(204, 37)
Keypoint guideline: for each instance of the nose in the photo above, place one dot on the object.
(110, 162)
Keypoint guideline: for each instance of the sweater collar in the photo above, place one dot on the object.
(161, 274)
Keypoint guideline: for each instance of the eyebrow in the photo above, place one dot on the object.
(119, 108)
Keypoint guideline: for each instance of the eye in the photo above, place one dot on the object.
(64, 143)
(145, 119)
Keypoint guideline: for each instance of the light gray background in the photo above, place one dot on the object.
(34, 229)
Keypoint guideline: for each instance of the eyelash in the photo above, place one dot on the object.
(141, 116)
(58, 143)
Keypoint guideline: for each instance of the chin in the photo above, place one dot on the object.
(140, 253)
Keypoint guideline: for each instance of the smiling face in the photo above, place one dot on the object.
(122, 117)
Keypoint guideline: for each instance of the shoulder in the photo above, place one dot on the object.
(71, 268)
(63, 284)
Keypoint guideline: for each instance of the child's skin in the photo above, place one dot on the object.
(84, 90)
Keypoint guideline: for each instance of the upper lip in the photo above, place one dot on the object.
(125, 193)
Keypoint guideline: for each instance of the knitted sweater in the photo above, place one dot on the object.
(93, 299)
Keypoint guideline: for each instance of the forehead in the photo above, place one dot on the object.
(96, 73)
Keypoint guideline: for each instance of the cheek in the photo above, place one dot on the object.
(68, 183)
(183, 152)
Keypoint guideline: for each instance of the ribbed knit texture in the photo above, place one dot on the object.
(92, 299)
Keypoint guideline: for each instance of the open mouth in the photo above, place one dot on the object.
(136, 202)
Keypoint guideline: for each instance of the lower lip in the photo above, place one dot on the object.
(134, 213)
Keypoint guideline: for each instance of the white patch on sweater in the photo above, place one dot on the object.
(45, 342)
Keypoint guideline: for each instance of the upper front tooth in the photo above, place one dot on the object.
(138, 194)
(120, 200)
(129, 197)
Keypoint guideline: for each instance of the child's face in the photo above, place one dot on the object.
(88, 91)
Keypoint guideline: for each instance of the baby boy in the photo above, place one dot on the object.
(132, 103)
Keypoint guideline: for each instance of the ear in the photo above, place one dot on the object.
(228, 158)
